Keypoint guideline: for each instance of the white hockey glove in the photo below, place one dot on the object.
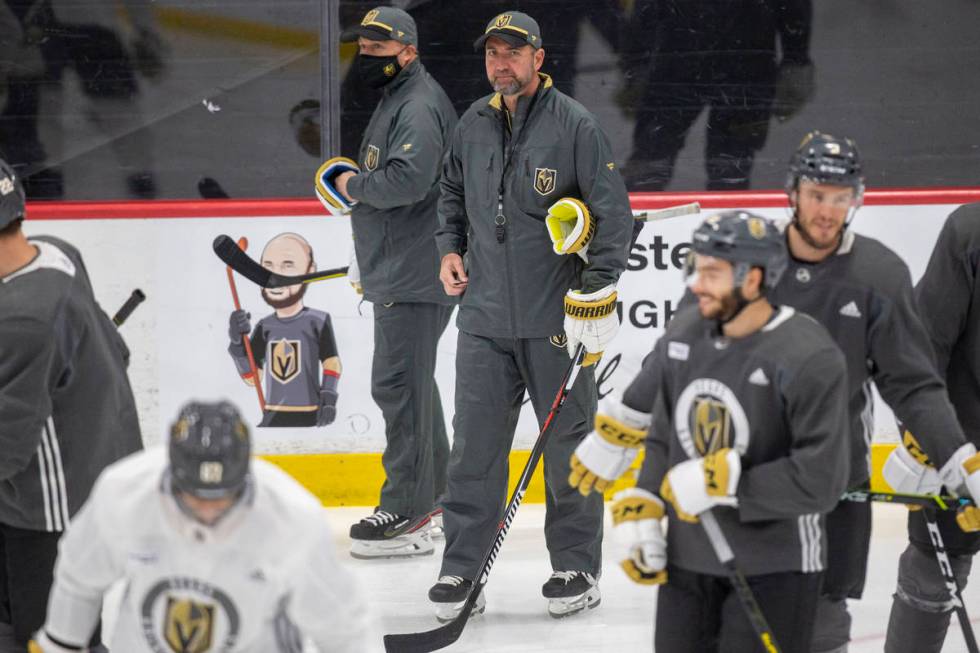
(961, 475)
(639, 537)
(570, 226)
(331, 198)
(610, 449)
(354, 272)
(43, 644)
(590, 318)
(694, 486)
(908, 469)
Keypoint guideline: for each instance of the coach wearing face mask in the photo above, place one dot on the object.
(391, 194)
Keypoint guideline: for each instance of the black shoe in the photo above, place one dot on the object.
(450, 593)
(381, 525)
(569, 592)
(387, 535)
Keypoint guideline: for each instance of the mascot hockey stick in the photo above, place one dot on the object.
(669, 212)
(934, 501)
(253, 370)
(135, 299)
(239, 261)
(950, 580)
(727, 559)
(443, 636)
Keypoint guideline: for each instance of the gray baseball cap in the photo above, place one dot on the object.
(514, 27)
(384, 24)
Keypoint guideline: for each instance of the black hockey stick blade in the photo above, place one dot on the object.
(431, 640)
(135, 299)
(232, 255)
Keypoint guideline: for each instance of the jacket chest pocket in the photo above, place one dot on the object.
(542, 177)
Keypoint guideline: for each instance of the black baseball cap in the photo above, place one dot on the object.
(516, 28)
(384, 24)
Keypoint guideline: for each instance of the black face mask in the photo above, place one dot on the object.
(377, 71)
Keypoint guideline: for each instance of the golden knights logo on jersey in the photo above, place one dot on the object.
(181, 614)
(708, 417)
(188, 625)
(284, 359)
(544, 180)
(372, 156)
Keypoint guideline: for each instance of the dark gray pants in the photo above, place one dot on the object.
(403, 385)
(491, 377)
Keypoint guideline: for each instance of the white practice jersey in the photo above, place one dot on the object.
(265, 573)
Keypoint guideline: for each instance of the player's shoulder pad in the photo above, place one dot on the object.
(964, 222)
(123, 486)
(878, 266)
(686, 322)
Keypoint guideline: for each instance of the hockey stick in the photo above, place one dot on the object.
(669, 212)
(727, 559)
(934, 501)
(443, 636)
(239, 261)
(135, 299)
(950, 580)
(253, 369)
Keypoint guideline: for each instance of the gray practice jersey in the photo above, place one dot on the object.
(778, 397)
(291, 352)
(948, 296)
(863, 296)
(66, 407)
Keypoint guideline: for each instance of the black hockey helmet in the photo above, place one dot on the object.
(825, 159)
(210, 449)
(12, 197)
(745, 240)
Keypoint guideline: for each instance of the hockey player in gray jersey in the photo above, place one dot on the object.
(948, 298)
(66, 407)
(295, 346)
(861, 291)
(744, 404)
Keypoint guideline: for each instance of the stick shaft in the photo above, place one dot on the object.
(667, 213)
(135, 299)
(246, 340)
(949, 578)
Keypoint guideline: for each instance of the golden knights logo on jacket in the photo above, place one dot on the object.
(181, 614)
(708, 417)
(544, 180)
(372, 157)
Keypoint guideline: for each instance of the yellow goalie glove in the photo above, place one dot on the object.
(570, 226)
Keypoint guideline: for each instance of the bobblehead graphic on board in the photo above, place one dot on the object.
(291, 355)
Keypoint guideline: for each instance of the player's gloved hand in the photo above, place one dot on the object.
(354, 272)
(610, 449)
(326, 190)
(327, 412)
(795, 87)
(570, 226)
(694, 486)
(961, 476)
(590, 318)
(42, 643)
(238, 326)
(636, 515)
(908, 470)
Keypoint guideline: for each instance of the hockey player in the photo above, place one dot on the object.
(295, 346)
(745, 405)
(66, 407)
(522, 155)
(394, 190)
(947, 298)
(217, 553)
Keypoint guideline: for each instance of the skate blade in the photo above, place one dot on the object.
(446, 612)
(572, 605)
(375, 549)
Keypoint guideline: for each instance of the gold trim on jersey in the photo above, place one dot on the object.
(281, 408)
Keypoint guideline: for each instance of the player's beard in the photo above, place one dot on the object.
(287, 301)
(811, 240)
(724, 308)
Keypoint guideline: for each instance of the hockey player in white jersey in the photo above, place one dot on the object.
(218, 554)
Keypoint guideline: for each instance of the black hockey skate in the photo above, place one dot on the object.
(570, 592)
(449, 594)
(387, 535)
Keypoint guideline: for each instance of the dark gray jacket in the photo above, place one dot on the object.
(555, 148)
(400, 159)
(66, 408)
